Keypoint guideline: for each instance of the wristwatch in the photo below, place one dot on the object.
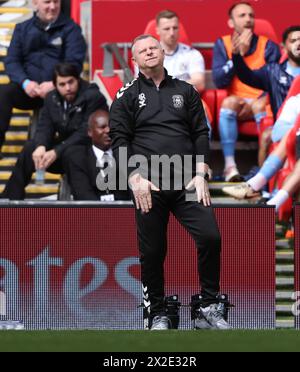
(202, 174)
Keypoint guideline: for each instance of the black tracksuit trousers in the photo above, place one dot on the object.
(200, 222)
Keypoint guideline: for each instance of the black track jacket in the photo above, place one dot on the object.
(167, 120)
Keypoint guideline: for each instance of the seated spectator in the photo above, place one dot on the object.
(274, 162)
(274, 78)
(37, 45)
(62, 123)
(243, 102)
(87, 165)
(291, 184)
(181, 60)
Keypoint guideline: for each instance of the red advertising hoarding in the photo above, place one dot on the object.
(77, 266)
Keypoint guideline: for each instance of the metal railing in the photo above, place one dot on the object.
(111, 50)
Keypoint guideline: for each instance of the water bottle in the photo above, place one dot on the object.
(39, 176)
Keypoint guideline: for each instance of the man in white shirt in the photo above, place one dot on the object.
(181, 60)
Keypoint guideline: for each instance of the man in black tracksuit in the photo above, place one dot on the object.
(62, 124)
(159, 115)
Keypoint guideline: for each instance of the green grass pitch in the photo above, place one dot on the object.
(159, 341)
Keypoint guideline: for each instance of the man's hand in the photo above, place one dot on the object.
(141, 189)
(245, 41)
(38, 155)
(48, 158)
(45, 88)
(32, 89)
(235, 43)
(241, 42)
(202, 190)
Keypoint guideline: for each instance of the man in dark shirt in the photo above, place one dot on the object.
(62, 123)
(157, 115)
(89, 165)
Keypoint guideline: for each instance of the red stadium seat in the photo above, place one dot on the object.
(109, 85)
(264, 27)
(209, 97)
(75, 10)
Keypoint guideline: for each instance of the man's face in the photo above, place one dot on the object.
(168, 31)
(148, 54)
(47, 10)
(292, 46)
(99, 131)
(67, 87)
(242, 18)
